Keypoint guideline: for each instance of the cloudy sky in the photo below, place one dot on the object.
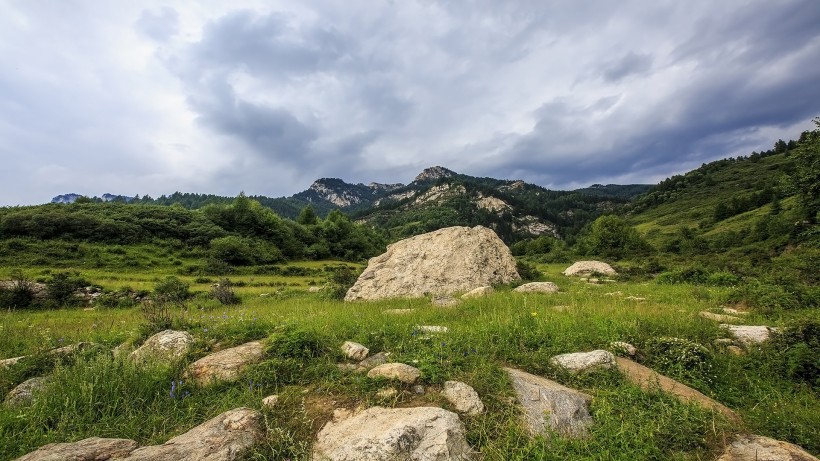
(152, 97)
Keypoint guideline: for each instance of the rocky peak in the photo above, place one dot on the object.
(378, 187)
(434, 173)
(336, 192)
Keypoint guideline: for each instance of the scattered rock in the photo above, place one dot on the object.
(166, 346)
(445, 301)
(270, 401)
(223, 438)
(649, 379)
(347, 366)
(479, 292)
(623, 347)
(387, 434)
(387, 393)
(614, 293)
(537, 287)
(734, 350)
(373, 361)
(587, 268)
(758, 448)
(560, 308)
(314, 289)
(225, 365)
(445, 261)
(463, 397)
(584, 361)
(749, 334)
(723, 341)
(418, 389)
(5, 363)
(432, 329)
(635, 298)
(90, 449)
(399, 371)
(547, 404)
(718, 317)
(24, 393)
(730, 311)
(354, 351)
(397, 311)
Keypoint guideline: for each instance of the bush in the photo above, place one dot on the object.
(680, 358)
(223, 292)
(694, 275)
(18, 293)
(296, 343)
(341, 279)
(797, 347)
(172, 290)
(62, 286)
(765, 297)
(528, 272)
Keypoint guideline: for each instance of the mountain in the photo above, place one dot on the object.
(71, 198)
(66, 198)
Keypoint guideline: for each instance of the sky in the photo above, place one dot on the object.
(153, 97)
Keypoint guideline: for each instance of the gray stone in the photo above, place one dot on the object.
(586, 268)
(354, 351)
(270, 401)
(391, 434)
(749, 335)
(445, 301)
(718, 317)
(463, 398)
(399, 371)
(758, 448)
(584, 361)
(225, 365)
(25, 392)
(5, 363)
(624, 348)
(479, 292)
(373, 361)
(547, 404)
(167, 346)
(90, 449)
(537, 287)
(432, 329)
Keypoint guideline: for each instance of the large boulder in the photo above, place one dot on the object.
(166, 347)
(547, 404)
(584, 361)
(586, 268)
(387, 434)
(399, 371)
(25, 392)
(749, 335)
(222, 438)
(463, 398)
(537, 287)
(757, 448)
(446, 261)
(225, 365)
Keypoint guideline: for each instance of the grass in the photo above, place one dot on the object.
(98, 394)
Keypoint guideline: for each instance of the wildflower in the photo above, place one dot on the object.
(534, 314)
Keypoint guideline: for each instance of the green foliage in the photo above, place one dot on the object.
(307, 217)
(528, 272)
(297, 343)
(173, 290)
(224, 293)
(62, 288)
(340, 281)
(18, 293)
(612, 237)
(680, 358)
(797, 345)
(806, 176)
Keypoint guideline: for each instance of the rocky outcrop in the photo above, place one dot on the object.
(649, 379)
(225, 365)
(434, 173)
(446, 261)
(758, 448)
(584, 361)
(389, 434)
(537, 287)
(223, 438)
(463, 398)
(587, 268)
(24, 393)
(399, 371)
(547, 404)
(166, 346)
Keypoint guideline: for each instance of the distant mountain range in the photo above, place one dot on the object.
(437, 197)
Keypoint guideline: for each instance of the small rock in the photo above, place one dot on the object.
(718, 317)
(730, 311)
(314, 289)
(354, 351)
(445, 301)
(635, 298)
(5, 363)
(397, 311)
(758, 448)
(537, 287)
(614, 293)
(166, 346)
(749, 334)
(734, 350)
(478, 292)
(463, 397)
(548, 404)
(418, 389)
(387, 393)
(624, 347)
(584, 361)
(560, 308)
(373, 361)
(724, 341)
(264, 295)
(347, 366)
(399, 371)
(270, 401)
(432, 329)
(388, 434)
(225, 365)
(582, 268)
(25, 392)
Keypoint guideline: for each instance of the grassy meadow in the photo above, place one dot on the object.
(97, 393)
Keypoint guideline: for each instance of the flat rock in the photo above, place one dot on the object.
(90, 449)
(24, 393)
(166, 346)
(584, 361)
(649, 379)
(547, 404)
(225, 365)
(758, 448)
(479, 292)
(749, 334)
(373, 361)
(389, 434)
(537, 287)
(432, 329)
(730, 311)
(399, 371)
(445, 301)
(587, 268)
(397, 311)
(463, 398)
(354, 351)
(718, 317)
(5, 363)
(446, 261)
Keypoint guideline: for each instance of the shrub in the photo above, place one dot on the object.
(797, 346)
(341, 279)
(172, 290)
(528, 272)
(62, 286)
(18, 293)
(680, 358)
(695, 275)
(297, 343)
(223, 292)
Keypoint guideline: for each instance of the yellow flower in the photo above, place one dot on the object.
(534, 314)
